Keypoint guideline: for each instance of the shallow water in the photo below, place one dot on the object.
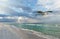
(48, 29)
(53, 30)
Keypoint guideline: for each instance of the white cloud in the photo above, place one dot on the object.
(21, 10)
(50, 4)
(17, 9)
(27, 20)
(1, 17)
(3, 0)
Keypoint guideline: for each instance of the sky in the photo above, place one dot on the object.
(27, 7)
(34, 4)
(50, 4)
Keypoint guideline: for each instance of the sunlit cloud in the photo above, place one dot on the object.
(1, 17)
(17, 9)
(27, 20)
(50, 4)
(3, 0)
(3, 5)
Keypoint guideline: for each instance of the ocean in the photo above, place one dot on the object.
(48, 29)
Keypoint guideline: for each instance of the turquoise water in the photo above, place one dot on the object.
(53, 30)
(49, 29)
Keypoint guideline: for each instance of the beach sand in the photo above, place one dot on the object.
(12, 32)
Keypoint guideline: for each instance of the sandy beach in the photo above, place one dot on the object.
(12, 32)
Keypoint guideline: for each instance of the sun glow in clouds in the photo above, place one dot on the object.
(20, 19)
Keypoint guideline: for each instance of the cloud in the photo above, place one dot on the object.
(17, 9)
(1, 17)
(27, 20)
(50, 4)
